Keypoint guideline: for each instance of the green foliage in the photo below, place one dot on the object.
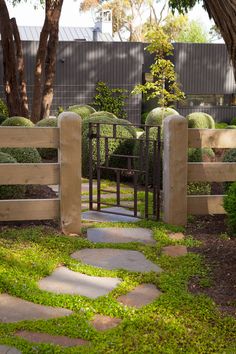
(231, 127)
(144, 117)
(18, 121)
(11, 191)
(60, 109)
(221, 125)
(115, 145)
(2, 119)
(47, 153)
(83, 110)
(230, 207)
(230, 156)
(200, 120)
(23, 155)
(233, 121)
(111, 100)
(193, 32)
(164, 88)
(3, 109)
(199, 155)
(157, 115)
(103, 114)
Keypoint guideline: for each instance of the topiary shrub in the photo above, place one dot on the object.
(23, 155)
(231, 127)
(156, 116)
(103, 114)
(221, 125)
(11, 191)
(83, 110)
(47, 153)
(18, 121)
(200, 120)
(3, 109)
(115, 145)
(200, 155)
(230, 207)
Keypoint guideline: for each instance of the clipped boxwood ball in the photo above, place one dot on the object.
(48, 153)
(18, 121)
(115, 145)
(23, 155)
(156, 116)
(11, 191)
(200, 120)
(83, 110)
(103, 114)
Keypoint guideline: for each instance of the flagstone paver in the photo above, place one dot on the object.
(65, 281)
(103, 323)
(13, 309)
(100, 216)
(120, 235)
(4, 349)
(47, 338)
(140, 296)
(176, 236)
(175, 251)
(116, 259)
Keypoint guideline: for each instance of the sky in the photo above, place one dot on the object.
(26, 15)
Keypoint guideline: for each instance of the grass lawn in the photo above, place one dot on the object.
(177, 322)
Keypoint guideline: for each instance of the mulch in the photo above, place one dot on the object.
(219, 251)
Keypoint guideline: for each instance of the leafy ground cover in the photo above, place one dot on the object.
(180, 321)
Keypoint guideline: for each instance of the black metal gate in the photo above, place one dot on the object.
(139, 164)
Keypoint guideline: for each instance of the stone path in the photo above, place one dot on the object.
(140, 296)
(65, 281)
(103, 323)
(106, 217)
(4, 349)
(120, 235)
(110, 258)
(13, 309)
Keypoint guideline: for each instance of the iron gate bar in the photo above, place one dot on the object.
(143, 158)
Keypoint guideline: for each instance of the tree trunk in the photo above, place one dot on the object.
(24, 106)
(10, 82)
(223, 13)
(50, 69)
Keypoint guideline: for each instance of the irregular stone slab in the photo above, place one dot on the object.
(65, 281)
(116, 259)
(120, 235)
(49, 339)
(140, 296)
(103, 323)
(176, 236)
(99, 216)
(4, 349)
(175, 251)
(13, 309)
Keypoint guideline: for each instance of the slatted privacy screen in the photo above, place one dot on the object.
(66, 173)
(210, 171)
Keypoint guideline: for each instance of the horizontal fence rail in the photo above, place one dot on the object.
(211, 171)
(37, 137)
(205, 204)
(213, 138)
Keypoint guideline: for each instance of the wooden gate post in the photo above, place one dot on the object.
(70, 172)
(175, 159)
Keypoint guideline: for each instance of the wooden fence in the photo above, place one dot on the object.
(66, 173)
(178, 171)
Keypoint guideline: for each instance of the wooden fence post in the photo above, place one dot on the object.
(175, 160)
(70, 172)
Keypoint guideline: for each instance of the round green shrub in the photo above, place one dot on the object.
(200, 120)
(18, 121)
(23, 155)
(103, 114)
(11, 191)
(199, 155)
(83, 110)
(221, 125)
(116, 146)
(230, 207)
(3, 109)
(231, 127)
(47, 153)
(156, 116)
(233, 121)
